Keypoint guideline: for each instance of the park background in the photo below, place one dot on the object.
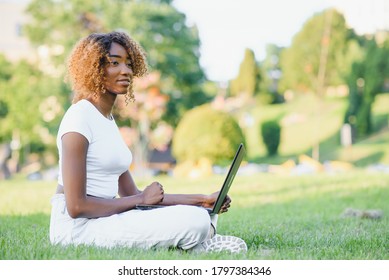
(312, 111)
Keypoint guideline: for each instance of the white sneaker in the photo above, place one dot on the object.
(220, 243)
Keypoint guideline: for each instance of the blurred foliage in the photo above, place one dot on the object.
(23, 94)
(271, 135)
(366, 79)
(301, 61)
(5, 76)
(248, 79)
(271, 74)
(207, 133)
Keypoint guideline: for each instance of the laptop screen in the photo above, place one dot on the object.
(228, 180)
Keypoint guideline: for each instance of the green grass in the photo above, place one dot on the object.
(291, 217)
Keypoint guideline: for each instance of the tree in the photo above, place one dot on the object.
(172, 47)
(365, 81)
(33, 112)
(247, 81)
(301, 62)
(271, 74)
(6, 70)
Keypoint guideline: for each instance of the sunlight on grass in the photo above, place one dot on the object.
(22, 197)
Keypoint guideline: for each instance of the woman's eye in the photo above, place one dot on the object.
(114, 63)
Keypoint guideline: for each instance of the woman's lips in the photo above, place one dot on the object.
(124, 82)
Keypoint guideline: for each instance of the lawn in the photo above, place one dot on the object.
(306, 120)
(280, 217)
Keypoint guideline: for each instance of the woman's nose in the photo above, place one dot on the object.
(125, 69)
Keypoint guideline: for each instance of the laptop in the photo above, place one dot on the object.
(223, 191)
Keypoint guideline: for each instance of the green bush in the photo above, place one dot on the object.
(206, 133)
(271, 135)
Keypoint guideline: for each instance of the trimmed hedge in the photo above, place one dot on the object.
(271, 135)
(204, 132)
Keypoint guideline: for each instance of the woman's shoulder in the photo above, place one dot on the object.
(81, 105)
(81, 108)
(76, 113)
(78, 118)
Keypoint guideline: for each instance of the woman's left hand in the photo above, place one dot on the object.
(211, 199)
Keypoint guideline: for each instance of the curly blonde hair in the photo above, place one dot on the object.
(89, 57)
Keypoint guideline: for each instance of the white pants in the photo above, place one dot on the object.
(175, 226)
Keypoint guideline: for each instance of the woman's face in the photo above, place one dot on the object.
(118, 72)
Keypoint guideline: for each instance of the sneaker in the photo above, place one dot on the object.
(220, 243)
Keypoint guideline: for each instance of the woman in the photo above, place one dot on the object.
(94, 161)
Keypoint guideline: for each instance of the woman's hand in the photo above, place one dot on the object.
(153, 194)
(211, 199)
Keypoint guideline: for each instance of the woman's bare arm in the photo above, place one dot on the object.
(127, 186)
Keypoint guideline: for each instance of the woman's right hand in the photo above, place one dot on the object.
(153, 194)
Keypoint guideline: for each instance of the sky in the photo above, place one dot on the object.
(228, 27)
